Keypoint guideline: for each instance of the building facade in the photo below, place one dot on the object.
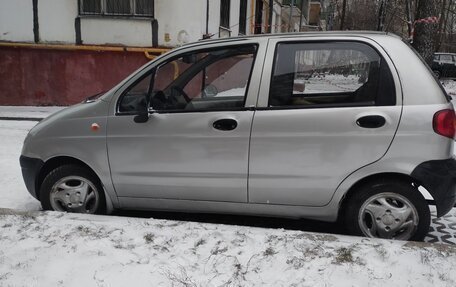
(57, 52)
(141, 23)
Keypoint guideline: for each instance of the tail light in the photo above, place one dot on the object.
(444, 123)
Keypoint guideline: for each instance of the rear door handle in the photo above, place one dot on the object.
(371, 122)
(225, 124)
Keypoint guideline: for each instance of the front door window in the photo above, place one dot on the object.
(211, 80)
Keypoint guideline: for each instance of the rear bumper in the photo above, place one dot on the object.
(439, 178)
(30, 169)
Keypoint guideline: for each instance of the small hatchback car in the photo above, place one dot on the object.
(327, 126)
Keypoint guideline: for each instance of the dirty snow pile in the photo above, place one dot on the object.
(57, 249)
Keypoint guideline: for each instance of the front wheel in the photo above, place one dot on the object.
(393, 210)
(72, 188)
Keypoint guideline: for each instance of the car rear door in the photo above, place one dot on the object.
(330, 108)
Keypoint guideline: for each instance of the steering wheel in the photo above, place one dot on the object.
(182, 92)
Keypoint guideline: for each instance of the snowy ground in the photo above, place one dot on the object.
(13, 193)
(55, 249)
(27, 111)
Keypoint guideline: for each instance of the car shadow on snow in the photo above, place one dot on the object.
(242, 220)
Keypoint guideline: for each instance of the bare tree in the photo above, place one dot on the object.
(399, 17)
(425, 31)
(342, 17)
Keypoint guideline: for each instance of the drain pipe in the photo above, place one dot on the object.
(207, 18)
(290, 28)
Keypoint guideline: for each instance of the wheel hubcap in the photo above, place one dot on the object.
(74, 194)
(388, 215)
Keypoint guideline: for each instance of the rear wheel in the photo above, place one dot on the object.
(72, 188)
(391, 210)
(437, 74)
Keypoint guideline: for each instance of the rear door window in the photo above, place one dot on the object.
(330, 74)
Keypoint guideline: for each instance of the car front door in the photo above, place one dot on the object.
(194, 146)
(330, 108)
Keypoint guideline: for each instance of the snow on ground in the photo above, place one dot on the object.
(13, 193)
(27, 111)
(57, 249)
(333, 83)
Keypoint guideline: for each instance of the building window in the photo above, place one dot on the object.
(243, 17)
(225, 14)
(138, 8)
(258, 16)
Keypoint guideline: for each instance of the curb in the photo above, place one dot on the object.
(20, 119)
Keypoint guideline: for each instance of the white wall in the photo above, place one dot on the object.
(56, 19)
(100, 31)
(16, 20)
(180, 21)
(234, 17)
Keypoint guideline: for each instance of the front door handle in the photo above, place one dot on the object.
(371, 122)
(225, 124)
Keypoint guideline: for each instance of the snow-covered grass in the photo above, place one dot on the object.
(56, 249)
(13, 193)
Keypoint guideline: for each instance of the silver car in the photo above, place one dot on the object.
(328, 126)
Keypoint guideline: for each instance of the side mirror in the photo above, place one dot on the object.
(141, 117)
(143, 113)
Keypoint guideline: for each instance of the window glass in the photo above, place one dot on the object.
(446, 58)
(243, 17)
(90, 6)
(145, 7)
(225, 13)
(329, 74)
(208, 80)
(142, 8)
(118, 7)
(135, 99)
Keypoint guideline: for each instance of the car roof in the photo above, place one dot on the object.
(443, 53)
(367, 34)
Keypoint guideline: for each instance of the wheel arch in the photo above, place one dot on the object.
(372, 178)
(58, 161)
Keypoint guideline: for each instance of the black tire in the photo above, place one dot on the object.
(352, 209)
(66, 171)
(437, 74)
